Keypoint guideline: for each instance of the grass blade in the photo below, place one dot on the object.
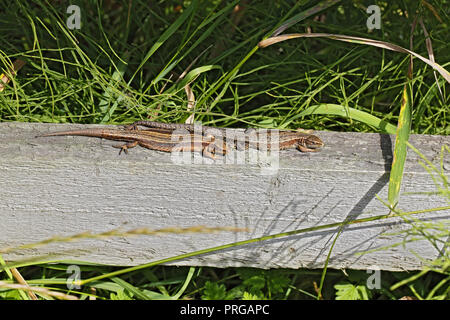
(431, 55)
(108, 94)
(303, 15)
(402, 135)
(348, 112)
(325, 267)
(138, 293)
(185, 284)
(371, 42)
(166, 35)
(400, 150)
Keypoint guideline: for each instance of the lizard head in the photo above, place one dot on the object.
(313, 142)
(310, 143)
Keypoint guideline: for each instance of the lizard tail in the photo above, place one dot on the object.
(86, 132)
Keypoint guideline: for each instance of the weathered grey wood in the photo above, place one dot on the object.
(67, 185)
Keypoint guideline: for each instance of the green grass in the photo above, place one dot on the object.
(126, 63)
(231, 283)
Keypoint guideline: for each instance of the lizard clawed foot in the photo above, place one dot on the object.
(306, 149)
(126, 146)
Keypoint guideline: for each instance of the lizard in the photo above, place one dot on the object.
(161, 137)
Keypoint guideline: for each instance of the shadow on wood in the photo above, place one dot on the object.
(68, 185)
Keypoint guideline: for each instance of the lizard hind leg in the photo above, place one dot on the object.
(214, 147)
(209, 153)
(126, 146)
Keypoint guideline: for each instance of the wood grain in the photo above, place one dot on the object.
(68, 185)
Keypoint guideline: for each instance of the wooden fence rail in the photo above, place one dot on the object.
(62, 186)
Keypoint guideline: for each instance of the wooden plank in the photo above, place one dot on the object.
(68, 185)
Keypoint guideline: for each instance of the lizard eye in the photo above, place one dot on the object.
(314, 142)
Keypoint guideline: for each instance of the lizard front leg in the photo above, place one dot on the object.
(306, 149)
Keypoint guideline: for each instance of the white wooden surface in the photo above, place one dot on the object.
(67, 185)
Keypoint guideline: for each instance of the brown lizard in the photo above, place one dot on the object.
(165, 137)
